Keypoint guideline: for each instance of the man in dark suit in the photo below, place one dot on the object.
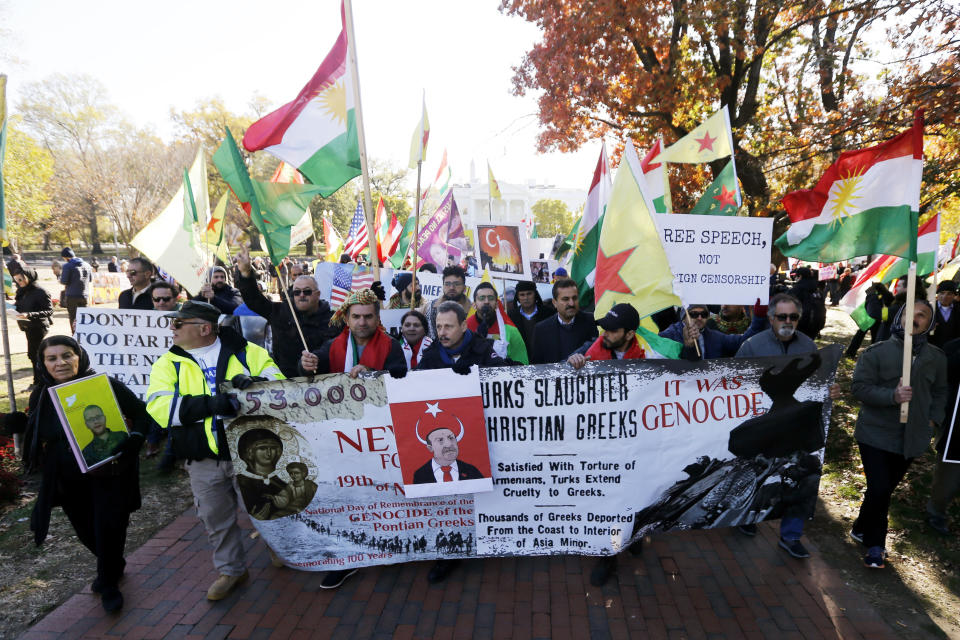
(444, 465)
(946, 325)
(140, 273)
(555, 338)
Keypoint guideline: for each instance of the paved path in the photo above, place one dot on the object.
(701, 584)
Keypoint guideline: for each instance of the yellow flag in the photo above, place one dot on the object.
(494, 187)
(709, 141)
(632, 266)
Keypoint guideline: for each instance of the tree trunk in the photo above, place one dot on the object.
(94, 234)
(309, 247)
(254, 236)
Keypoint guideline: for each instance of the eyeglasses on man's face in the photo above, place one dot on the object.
(304, 292)
(162, 298)
(178, 323)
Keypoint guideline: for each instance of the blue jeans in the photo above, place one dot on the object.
(791, 528)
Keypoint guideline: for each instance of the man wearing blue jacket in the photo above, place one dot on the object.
(713, 343)
(76, 277)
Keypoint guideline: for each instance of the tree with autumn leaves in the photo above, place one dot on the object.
(803, 81)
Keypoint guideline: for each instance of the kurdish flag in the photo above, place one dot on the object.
(583, 266)
(867, 202)
(720, 198)
(928, 242)
(317, 132)
(655, 174)
(631, 263)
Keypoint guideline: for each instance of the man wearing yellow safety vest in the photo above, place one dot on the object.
(183, 397)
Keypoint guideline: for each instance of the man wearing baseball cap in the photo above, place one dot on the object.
(184, 397)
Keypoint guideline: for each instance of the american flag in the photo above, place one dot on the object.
(347, 279)
(357, 239)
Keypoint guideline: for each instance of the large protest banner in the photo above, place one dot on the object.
(124, 343)
(582, 461)
(718, 259)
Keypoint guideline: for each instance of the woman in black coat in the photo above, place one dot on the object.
(34, 313)
(98, 503)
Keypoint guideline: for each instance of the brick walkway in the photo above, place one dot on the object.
(691, 585)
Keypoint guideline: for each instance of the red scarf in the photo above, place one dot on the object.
(598, 352)
(373, 356)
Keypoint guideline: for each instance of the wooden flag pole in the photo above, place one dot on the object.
(361, 137)
(416, 233)
(907, 320)
(696, 343)
(7, 362)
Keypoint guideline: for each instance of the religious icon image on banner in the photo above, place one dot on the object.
(440, 432)
(275, 477)
(91, 419)
(501, 249)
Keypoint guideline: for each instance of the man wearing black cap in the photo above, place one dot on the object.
(76, 277)
(140, 273)
(403, 283)
(219, 293)
(184, 397)
(528, 311)
(946, 324)
(555, 338)
(313, 313)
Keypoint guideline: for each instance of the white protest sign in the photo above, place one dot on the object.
(718, 259)
(124, 343)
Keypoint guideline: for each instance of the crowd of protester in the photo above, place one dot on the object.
(459, 329)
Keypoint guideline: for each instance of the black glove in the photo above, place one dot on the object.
(377, 288)
(223, 404)
(130, 447)
(14, 422)
(241, 381)
(398, 372)
(461, 367)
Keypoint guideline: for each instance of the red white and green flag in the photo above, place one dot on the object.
(583, 266)
(867, 202)
(655, 175)
(442, 182)
(928, 244)
(853, 301)
(418, 143)
(387, 231)
(317, 131)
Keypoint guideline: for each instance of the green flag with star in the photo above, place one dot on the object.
(720, 198)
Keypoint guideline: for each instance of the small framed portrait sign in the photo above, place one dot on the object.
(91, 419)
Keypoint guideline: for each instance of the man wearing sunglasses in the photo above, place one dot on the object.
(313, 313)
(184, 396)
(164, 296)
(140, 273)
(783, 338)
(712, 343)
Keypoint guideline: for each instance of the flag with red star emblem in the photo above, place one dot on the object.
(632, 266)
(720, 198)
(710, 141)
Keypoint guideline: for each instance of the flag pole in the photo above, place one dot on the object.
(7, 362)
(696, 343)
(285, 293)
(361, 138)
(907, 321)
(416, 234)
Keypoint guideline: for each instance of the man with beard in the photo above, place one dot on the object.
(454, 286)
(313, 313)
(218, 293)
(732, 319)
(555, 338)
(618, 342)
(363, 345)
(490, 321)
(783, 338)
(140, 273)
(403, 283)
(457, 348)
(528, 311)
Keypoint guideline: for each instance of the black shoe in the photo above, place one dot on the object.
(749, 530)
(96, 586)
(334, 579)
(112, 600)
(440, 570)
(636, 549)
(874, 558)
(794, 548)
(856, 535)
(601, 572)
(938, 524)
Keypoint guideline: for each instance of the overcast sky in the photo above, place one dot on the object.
(154, 56)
